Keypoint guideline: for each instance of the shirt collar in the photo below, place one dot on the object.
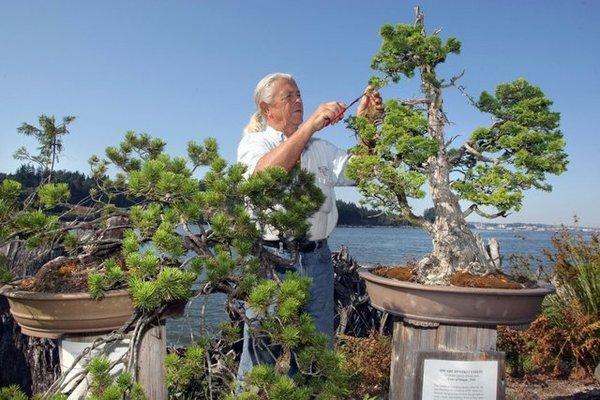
(274, 131)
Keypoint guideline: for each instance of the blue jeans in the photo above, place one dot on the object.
(318, 266)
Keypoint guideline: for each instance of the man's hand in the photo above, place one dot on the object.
(326, 114)
(371, 105)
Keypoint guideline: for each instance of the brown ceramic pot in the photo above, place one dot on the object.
(50, 315)
(454, 305)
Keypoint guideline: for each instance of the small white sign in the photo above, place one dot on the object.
(460, 380)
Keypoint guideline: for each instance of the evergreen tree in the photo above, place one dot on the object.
(49, 136)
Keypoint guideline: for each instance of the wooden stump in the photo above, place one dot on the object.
(414, 337)
(31, 363)
(151, 362)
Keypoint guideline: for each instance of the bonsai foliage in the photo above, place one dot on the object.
(14, 392)
(408, 149)
(186, 373)
(103, 386)
(32, 220)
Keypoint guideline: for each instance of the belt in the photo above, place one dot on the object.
(304, 246)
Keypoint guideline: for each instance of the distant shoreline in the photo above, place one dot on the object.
(521, 227)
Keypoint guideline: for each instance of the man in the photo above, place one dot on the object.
(277, 135)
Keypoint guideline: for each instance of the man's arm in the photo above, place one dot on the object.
(288, 153)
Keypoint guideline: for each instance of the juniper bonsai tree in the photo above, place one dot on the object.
(409, 148)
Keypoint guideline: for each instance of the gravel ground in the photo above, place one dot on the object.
(552, 390)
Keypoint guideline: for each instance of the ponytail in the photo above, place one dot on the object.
(257, 123)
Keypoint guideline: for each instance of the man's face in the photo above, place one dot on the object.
(286, 111)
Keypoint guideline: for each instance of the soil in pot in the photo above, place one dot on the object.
(61, 275)
(462, 279)
(492, 281)
(401, 273)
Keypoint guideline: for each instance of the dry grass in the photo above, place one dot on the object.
(369, 359)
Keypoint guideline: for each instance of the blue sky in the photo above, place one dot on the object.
(186, 70)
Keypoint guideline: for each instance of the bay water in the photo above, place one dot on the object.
(372, 245)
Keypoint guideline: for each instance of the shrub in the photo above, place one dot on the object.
(370, 359)
(565, 340)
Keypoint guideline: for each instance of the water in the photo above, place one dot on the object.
(391, 245)
(386, 245)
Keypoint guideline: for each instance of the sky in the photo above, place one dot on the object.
(186, 70)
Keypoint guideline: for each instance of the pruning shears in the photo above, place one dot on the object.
(328, 121)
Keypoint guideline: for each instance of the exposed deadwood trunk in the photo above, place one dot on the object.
(455, 247)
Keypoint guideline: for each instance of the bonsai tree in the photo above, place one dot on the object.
(488, 173)
(177, 229)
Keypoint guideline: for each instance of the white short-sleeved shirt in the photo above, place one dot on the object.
(322, 158)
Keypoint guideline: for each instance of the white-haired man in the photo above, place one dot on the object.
(278, 135)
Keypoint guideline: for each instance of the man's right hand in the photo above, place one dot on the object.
(326, 114)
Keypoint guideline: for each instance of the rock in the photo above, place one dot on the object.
(597, 373)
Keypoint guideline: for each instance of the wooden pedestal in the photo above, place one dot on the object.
(411, 338)
(151, 362)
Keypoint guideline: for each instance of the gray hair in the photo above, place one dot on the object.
(263, 92)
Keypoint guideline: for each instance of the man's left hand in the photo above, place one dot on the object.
(371, 105)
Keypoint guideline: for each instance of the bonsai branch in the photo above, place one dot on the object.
(475, 208)
(449, 141)
(453, 80)
(406, 212)
(469, 149)
(61, 384)
(414, 102)
(197, 244)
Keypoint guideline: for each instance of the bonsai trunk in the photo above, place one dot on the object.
(455, 247)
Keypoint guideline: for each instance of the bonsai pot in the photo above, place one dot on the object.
(51, 315)
(454, 305)
(437, 320)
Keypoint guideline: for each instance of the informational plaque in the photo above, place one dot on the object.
(444, 376)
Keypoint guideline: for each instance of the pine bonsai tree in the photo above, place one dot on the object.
(178, 229)
(408, 148)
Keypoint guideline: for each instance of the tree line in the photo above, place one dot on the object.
(350, 214)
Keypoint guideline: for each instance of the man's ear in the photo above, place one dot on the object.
(264, 108)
